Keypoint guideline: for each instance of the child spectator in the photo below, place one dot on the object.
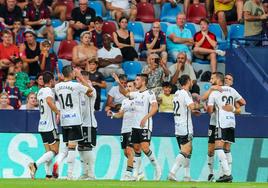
(31, 102)
(18, 31)
(48, 60)
(97, 33)
(22, 78)
(97, 81)
(13, 92)
(4, 102)
(165, 99)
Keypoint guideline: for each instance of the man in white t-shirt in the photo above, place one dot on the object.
(225, 122)
(47, 125)
(183, 107)
(121, 8)
(127, 112)
(69, 96)
(110, 58)
(145, 107)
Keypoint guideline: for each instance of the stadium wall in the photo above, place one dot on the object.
(19, 145)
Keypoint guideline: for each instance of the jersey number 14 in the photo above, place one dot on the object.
(67, 102)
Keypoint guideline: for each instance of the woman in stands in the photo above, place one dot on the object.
(4, 102)
(124, 40)
(31, 103)
(85, 51)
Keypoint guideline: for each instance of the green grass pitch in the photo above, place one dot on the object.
(38, 183)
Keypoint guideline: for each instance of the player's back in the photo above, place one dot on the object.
(47, 120)
(69, 96)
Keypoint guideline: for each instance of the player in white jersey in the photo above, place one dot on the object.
(225, 121)
(89, 128)
(183, 107)
(69, 95)
(47, 125)
(145, 107)
(127, 111)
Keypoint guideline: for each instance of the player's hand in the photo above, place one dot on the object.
(143, 121)
(109, 113)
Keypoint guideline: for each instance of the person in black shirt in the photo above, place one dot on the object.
(10, 12)
(82, 20)
(97, 80)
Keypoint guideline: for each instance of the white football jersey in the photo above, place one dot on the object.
(88, 104)
(182, 114)
(69, 95)
(143, 101)
(128, 107)
(212, 120)
(47, 120)
(218, 99)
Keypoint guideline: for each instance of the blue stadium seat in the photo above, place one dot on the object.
(60, 65)
(164, 26)
(97, 6)
(191, 27)
(169, 14)
(132, 68)
(216, 29)
(235, 31)
(56, 22)
(137, 29)
(103, 95)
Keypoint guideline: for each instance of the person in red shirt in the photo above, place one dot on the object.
(205, 45)
(8, 50)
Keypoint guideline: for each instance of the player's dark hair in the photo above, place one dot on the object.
(184, 79)
(98, 19)
(67, 70)
(229, 74)
(144, 77)
(11, 74)
(122, 77)
(220, 76)
(166, 84)
(204, 20)
(84, 73)
(47, 77)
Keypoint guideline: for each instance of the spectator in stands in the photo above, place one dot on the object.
(30, 52)
(157, 71)
(8, 50)
(254, 16)
(48, 60)
(9, 12)
(179, 39)
(18, 31)
(110, 58)
(115, 97)
(13, 92)
(59, 9)
(228, 10)
(82, 20)
(85, 51)
(22, 78)
(180, 68)
(38, 17)
(265, 23)
(97, 80)
(120, 8)
(31, 102)
(124, 40)
(205, 45)
(97, 33)
(155, 42)
(4, 102)
(165, 99)
(38, 84)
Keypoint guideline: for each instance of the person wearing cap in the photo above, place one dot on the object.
(82, 20)
(38, 17)
(8, 50)
(48, 60)
(110, 58)
(97, 33)
(157, 71)
(30, 52)
(85, 51)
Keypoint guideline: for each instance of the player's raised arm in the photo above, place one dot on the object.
(84, 82)
(119, 114)
(122, 89)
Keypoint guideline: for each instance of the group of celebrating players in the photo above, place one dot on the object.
(76, 97)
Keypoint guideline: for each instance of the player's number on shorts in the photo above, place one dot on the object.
(176, 106)
(67, 102)
(228, 100)
(41, 106)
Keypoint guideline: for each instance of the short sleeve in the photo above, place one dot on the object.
(187, 98)
(81, 88)
(247, 6)
(151, 97)
(211, 99)
(170, 30)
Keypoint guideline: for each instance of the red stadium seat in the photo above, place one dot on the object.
(109, 27)
(145, 12)
(70, 6)
(66, 48)
(196, 12)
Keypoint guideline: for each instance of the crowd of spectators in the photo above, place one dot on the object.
(23, 58)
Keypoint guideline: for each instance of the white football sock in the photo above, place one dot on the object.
(179, 161)
(187, 167)
(151, 157)
(71, 161)
(84, 158)
(229, 160)
(62, 155)
(211, 164)
(45, 158)
(48, 166)
(223, 161)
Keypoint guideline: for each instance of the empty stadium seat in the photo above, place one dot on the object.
(169, 14)
(196, 12)
(66, 48)
(132, 68)
(60, 65)
(191, 27)
(164, 26)
(97, 6)
(235, 31)
(137, 29)
(109, 27)
(56, 22)
(145, 12)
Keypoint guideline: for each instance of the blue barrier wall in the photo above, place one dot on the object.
(26, 122)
